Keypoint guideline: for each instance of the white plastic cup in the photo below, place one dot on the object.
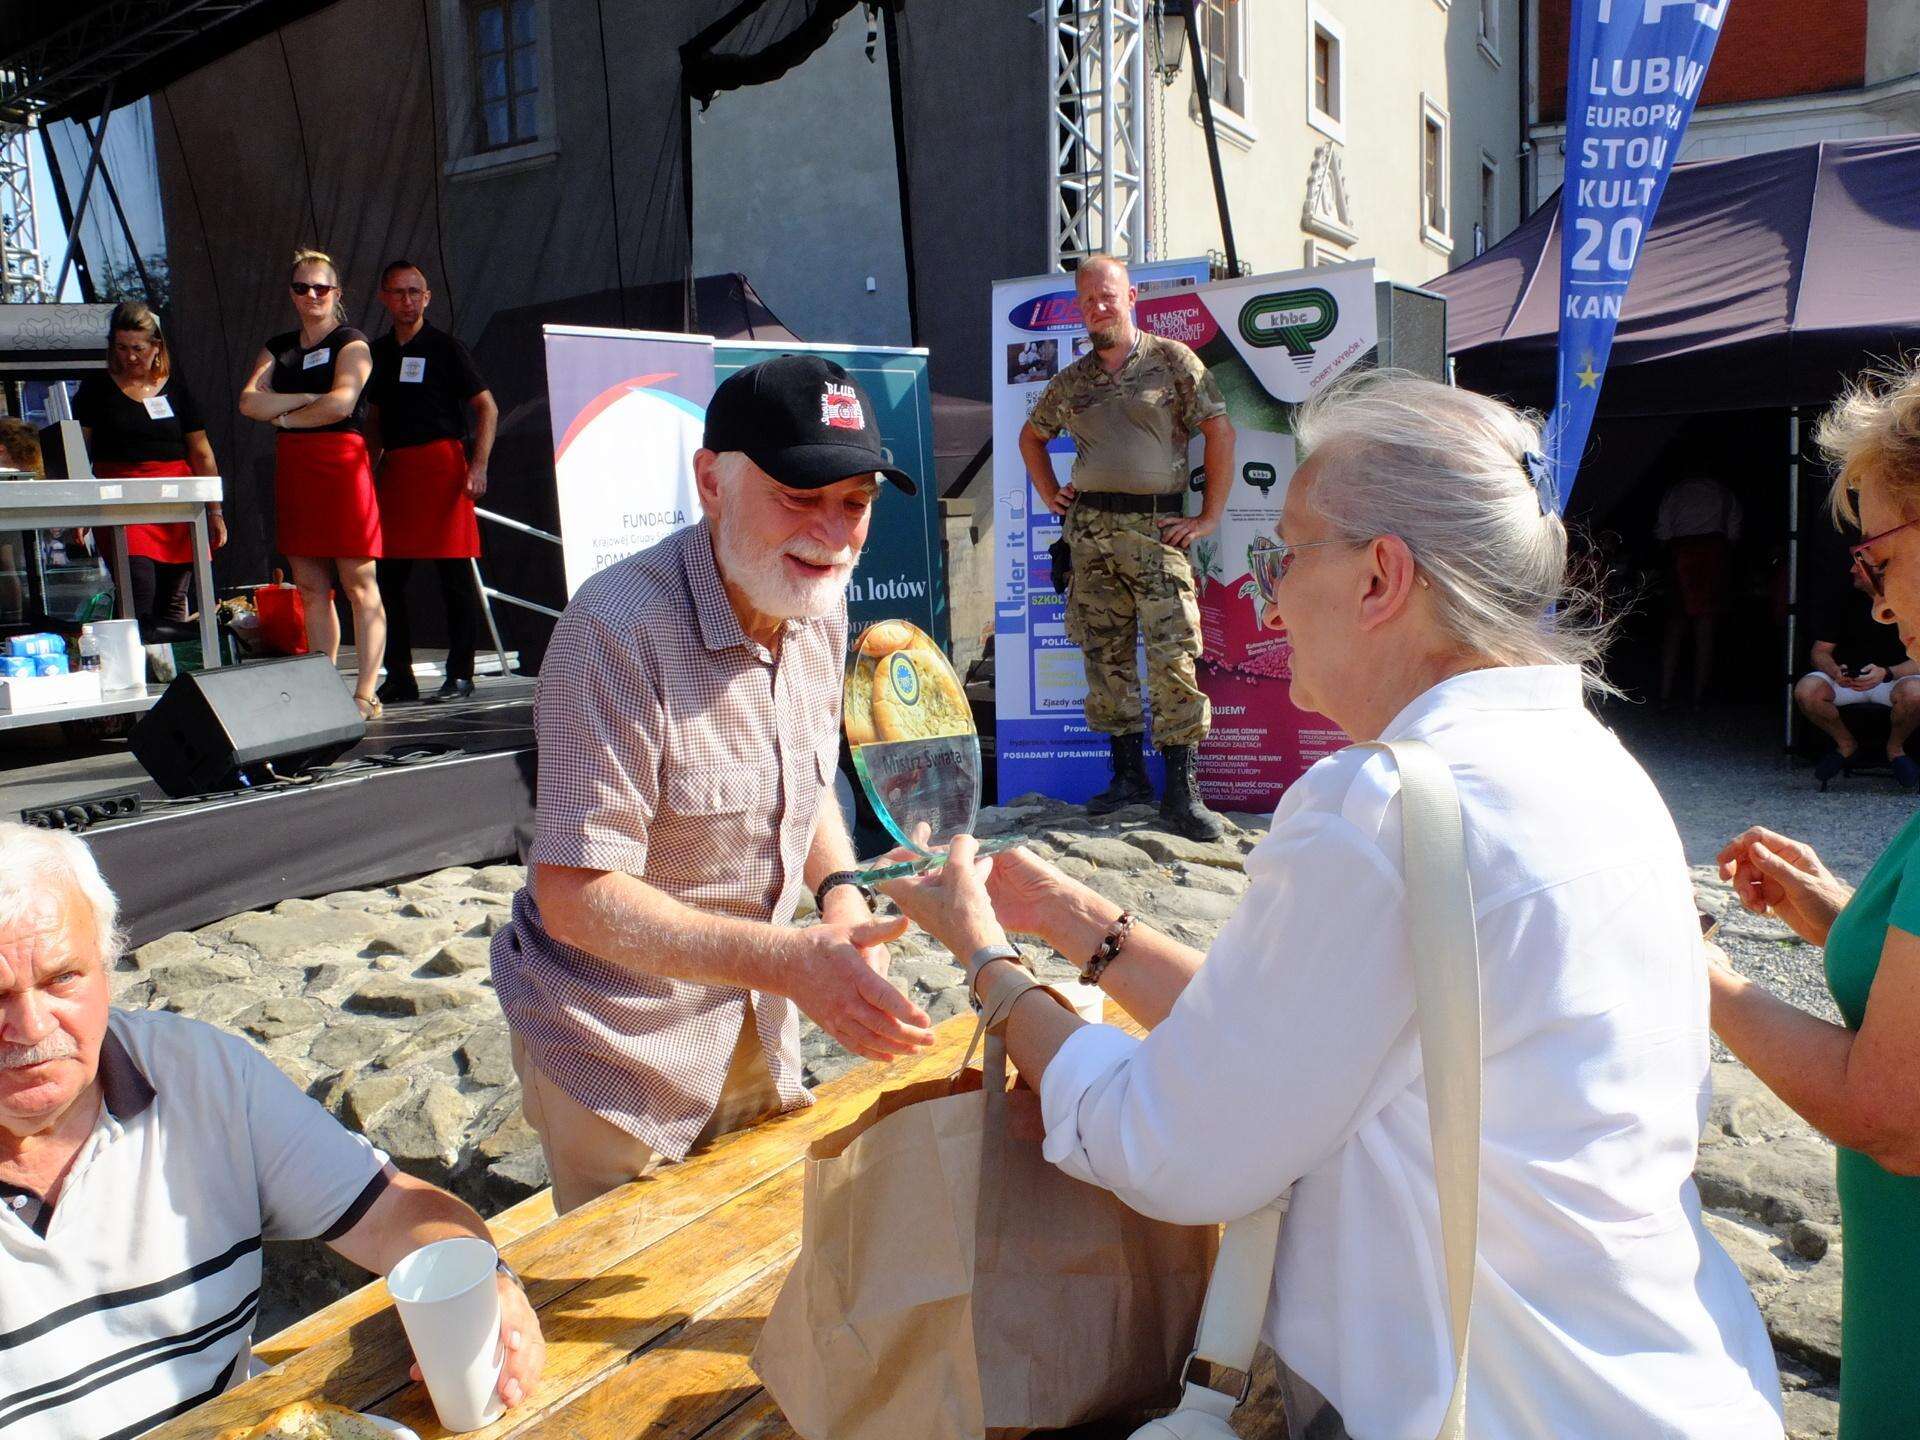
(450, 1308)
(123, 660)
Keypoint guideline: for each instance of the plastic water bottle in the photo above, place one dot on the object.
(89, 648)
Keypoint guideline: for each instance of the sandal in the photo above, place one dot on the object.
(370, 709)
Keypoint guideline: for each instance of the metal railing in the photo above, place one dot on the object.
(488, 594)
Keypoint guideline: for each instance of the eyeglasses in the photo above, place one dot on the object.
(1874, 572)
(1270, 560)
(314, 288)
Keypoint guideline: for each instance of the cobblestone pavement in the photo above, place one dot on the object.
(378, 1003)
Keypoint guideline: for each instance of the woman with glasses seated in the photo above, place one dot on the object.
(1857, 1082)
(1420, 573)
(310, 384)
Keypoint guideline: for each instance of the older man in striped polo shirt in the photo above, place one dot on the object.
(689, 721)
(144, 1158)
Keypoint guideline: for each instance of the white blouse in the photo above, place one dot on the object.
(1603, 1308)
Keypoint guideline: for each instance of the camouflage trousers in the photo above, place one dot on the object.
(1126, 582)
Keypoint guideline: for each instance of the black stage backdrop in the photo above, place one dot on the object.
(336, 130)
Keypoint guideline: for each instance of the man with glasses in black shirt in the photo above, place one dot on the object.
(433, 427)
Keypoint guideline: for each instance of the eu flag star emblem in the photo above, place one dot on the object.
(1588, 377)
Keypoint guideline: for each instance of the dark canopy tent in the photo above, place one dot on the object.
(1765, 280)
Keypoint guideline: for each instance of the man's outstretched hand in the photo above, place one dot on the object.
(841, 984)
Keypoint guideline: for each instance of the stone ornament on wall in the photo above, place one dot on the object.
(1328, 213)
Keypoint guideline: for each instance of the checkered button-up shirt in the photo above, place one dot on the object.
(675, 749)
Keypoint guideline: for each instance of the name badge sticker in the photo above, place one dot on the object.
(413, 369)
(317, 358)
(159, 407)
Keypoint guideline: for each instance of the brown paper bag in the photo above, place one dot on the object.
(953, 1285)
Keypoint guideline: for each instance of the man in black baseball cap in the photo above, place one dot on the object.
(688, 718)
(803, 420)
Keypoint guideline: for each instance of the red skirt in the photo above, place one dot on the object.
(425, 512)
(169, 544)
(323, 497)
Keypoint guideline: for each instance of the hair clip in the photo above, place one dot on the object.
(1540, 476)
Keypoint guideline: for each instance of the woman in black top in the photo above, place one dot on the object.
(142, 421)
(310, 384)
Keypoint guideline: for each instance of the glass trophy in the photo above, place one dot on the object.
(914, 747)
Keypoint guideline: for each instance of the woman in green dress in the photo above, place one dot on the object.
(1857, 1083)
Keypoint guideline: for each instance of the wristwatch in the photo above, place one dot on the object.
(834, 882)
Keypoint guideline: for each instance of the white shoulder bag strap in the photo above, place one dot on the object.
(1446, 972)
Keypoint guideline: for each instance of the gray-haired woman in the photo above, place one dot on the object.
(1422, 581)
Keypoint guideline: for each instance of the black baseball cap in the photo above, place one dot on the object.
(803, 420)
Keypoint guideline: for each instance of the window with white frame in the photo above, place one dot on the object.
(500, 103)
(1320, 253)
(1326, 74)
(506, 73)
(1223, 40)
(1490, 30)
(1435, 223)
(1489, 202)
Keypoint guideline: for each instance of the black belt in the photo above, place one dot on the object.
(1119, 504)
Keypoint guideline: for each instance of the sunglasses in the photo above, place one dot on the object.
(1270, 560)
(314, 288)
(1874, 572)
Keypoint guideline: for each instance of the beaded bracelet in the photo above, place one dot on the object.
(1110, 946)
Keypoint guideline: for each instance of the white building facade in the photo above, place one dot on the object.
(1387, 130)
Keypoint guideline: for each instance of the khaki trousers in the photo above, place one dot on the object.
(588, 1155)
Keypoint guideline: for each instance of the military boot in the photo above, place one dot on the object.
(1180, 804)
(1130, 784)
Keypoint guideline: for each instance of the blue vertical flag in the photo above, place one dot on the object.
(1634, 71)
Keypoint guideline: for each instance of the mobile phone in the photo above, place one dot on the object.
(1709, 923)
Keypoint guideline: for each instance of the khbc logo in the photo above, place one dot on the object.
(1297, 319)
(905, 679)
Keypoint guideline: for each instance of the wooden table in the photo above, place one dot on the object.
(651, 1298)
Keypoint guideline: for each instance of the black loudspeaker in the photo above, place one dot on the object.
(241, 725)
(1413, 329)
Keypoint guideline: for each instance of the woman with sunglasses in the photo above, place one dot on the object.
(310, 384)
(1420, 574)
(1857, 1082)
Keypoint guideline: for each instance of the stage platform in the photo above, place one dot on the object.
(430, 786)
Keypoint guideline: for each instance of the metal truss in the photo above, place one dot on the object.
(104, 43)
(22, 280)
(1098, 100)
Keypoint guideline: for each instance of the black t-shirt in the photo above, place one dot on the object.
(422, 387)
(298, 371)
(1843, 617)
(127, 431)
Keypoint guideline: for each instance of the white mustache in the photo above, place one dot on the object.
(57, 1046)
(839, 559)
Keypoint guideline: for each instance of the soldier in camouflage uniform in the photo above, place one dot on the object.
(1131, 404)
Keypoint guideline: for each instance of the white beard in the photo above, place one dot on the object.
(771, 588)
